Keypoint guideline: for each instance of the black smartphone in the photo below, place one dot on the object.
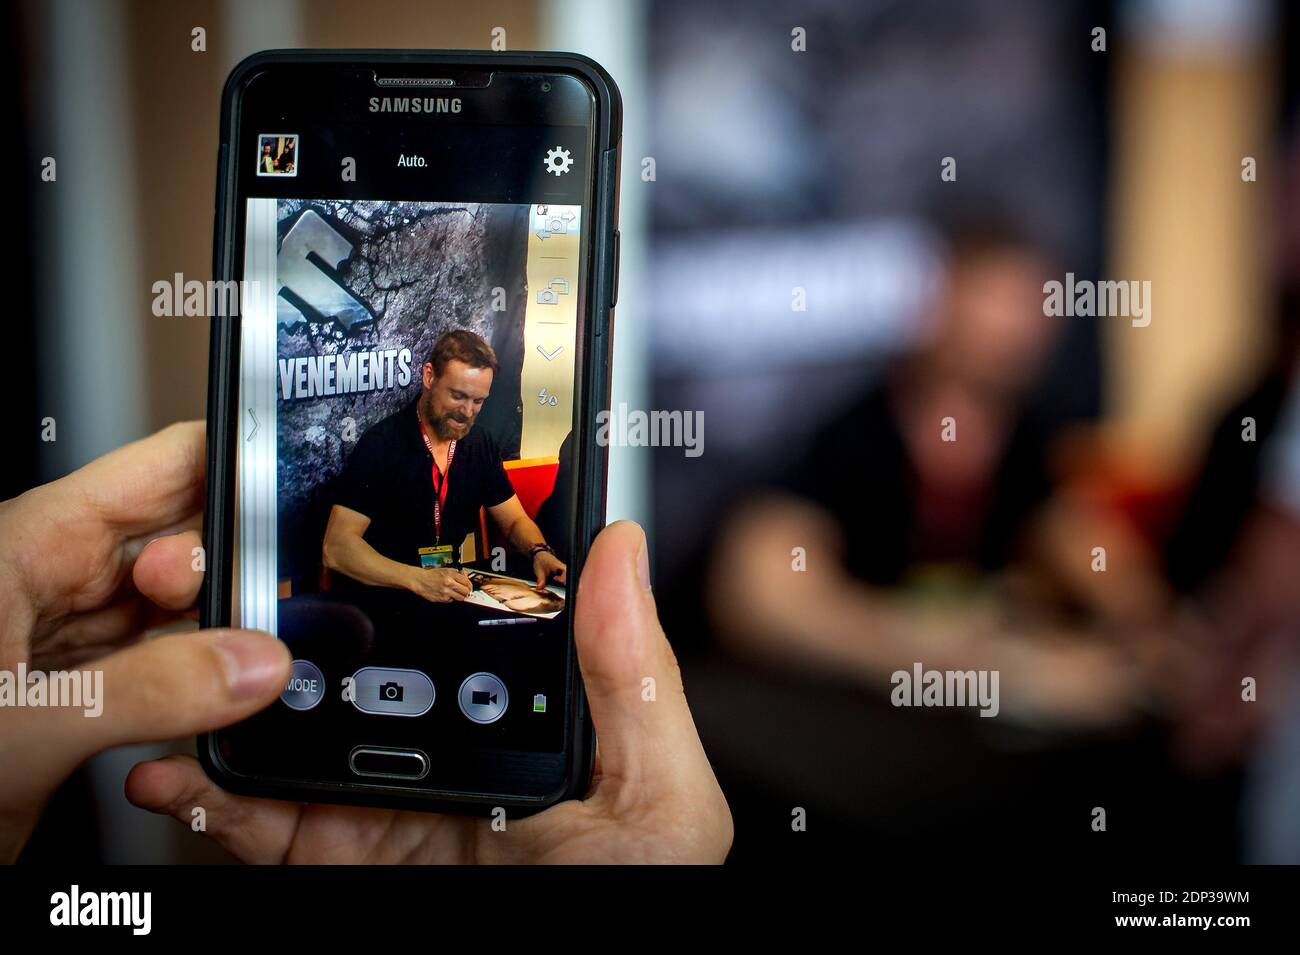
(403, 470)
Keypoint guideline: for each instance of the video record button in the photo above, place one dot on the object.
(483, 698)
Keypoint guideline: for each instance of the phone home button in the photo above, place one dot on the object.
(384, 762)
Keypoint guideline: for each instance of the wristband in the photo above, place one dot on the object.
(537, 548)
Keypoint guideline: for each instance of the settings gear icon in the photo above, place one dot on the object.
(558, 161)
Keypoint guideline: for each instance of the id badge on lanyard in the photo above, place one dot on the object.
(440, 482)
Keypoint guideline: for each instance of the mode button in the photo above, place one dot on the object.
(306, 686)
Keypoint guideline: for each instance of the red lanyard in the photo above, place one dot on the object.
(440, 482)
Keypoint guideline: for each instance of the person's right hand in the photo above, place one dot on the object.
(653, 795)
(439, 584)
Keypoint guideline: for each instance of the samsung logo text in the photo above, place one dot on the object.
(414, 104)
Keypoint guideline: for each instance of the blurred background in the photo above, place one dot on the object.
(830, 252)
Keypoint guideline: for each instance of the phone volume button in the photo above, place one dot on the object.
(618, 266)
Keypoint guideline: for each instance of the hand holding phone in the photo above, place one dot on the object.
(654, 797)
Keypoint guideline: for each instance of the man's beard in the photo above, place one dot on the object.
(442, 425)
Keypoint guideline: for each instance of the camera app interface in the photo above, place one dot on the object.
(407, 396)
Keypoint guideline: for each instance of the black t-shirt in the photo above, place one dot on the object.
(388, 478)
(858, 469)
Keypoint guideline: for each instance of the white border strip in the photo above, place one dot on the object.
(257, 421)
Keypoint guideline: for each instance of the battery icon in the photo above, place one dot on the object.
(539, 702)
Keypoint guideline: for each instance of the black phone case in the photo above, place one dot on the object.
(591, 459)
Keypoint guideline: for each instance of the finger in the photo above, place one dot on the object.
(648, 742)
(128, 551)
(173, 686)
(165, 571)
(93, 634)
(91, 522)
(541, 580)
(148, 484)
(253, 830)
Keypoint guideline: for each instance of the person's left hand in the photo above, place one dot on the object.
(87, 564)
(546, 565)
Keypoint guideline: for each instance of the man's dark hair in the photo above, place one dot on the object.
(462, 345)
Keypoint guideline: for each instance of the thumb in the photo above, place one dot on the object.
(168, 687)
(650, 752)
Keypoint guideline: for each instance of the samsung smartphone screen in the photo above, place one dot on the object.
(374, 222)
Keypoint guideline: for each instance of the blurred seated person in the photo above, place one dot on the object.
(1234, 553)
(911, 510)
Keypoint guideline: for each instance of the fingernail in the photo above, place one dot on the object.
(254, 663)
(643, 563)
